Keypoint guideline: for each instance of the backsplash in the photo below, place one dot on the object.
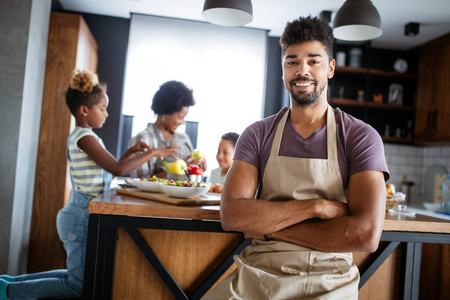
(413, 162)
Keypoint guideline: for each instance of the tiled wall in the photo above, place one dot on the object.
(413, 161)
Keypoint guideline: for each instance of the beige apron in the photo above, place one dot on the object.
(279, 270)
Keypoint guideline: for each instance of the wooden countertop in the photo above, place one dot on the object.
(111, 203)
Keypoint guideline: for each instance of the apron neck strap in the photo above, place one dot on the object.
(331, 134)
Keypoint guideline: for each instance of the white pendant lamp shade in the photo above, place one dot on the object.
(357, 20)
(228, 12)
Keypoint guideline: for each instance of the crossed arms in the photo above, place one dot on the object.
(320, 224)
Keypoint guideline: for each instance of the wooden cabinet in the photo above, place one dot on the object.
(433, 93)
(354, 89)
(70, 46)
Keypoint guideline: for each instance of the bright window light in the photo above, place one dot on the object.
(224, 66)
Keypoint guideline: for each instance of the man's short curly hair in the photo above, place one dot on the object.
(308, 29)
(171, 97)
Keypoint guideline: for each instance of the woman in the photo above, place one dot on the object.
(224, 157)
(171, 105)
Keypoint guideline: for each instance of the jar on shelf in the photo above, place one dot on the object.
(355, 57)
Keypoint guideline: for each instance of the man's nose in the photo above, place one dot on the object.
(303, 70)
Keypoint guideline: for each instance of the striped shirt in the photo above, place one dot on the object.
(86, 175)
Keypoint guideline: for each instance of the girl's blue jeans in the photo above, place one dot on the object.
(72, 224)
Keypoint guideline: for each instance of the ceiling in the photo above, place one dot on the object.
(272, 15)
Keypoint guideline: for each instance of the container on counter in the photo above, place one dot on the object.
(446, 195)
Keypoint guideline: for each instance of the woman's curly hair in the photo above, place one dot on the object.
(307, 29)
(84, 89)
(171, 97)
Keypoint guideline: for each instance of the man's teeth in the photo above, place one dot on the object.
(303, 84)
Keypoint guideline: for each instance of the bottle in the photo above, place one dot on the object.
(446, 195)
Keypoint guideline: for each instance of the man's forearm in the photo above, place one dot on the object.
(342, 234)
(258, 217)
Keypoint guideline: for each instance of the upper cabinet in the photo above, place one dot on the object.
(433, 93)
(377, 86)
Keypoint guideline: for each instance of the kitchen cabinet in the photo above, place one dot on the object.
(354, 89)
(71, 45)
(433, 93)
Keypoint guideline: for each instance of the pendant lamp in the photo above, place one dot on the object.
(228, 12)
(357, 20)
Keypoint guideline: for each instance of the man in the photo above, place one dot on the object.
(331, 161)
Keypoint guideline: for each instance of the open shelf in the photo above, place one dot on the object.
(398, 140)
(354, 102)
(374, 72)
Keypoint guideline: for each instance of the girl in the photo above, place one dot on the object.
(91, 166)
(224, 157)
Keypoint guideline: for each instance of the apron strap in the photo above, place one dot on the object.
(278, 135)
(331, 134)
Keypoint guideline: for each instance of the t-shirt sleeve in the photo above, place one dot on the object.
(247, 147)
(81, 134)
(366, 152)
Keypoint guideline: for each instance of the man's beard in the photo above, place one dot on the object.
(305, 99)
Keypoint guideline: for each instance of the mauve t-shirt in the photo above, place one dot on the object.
(359, 146)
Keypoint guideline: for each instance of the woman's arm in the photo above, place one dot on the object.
(104, 159)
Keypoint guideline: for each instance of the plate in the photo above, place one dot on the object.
(148, 186)
(400, 65)
(184, 192)
(432, 206)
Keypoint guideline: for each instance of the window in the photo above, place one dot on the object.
(225, 67)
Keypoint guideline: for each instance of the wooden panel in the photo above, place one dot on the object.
(190, 257)
(46, 250)
(435, 272)
(385, 282)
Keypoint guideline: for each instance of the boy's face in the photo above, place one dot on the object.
(225, 154)
(306, 70)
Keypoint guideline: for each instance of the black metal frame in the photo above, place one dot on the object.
(101, 250)
(412, 243)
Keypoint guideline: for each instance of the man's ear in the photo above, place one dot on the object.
(331, 68)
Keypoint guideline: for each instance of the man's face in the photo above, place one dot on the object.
(306, 71)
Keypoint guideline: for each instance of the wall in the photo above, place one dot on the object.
(111, 35)
(413, 161)
(22, 60)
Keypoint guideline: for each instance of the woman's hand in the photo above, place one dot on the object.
(170, 151)
(201, 162)
(139, 147)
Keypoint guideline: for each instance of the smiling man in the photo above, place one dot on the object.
(319, 179)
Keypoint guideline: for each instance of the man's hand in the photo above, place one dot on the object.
(331, 209)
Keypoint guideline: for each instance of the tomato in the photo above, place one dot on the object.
(194, 170)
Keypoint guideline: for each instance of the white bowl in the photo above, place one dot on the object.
(148, 186)
(432, 206)
(184, 192)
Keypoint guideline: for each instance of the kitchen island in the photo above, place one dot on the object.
(140, 249)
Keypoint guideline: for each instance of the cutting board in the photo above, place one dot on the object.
(207, 199)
